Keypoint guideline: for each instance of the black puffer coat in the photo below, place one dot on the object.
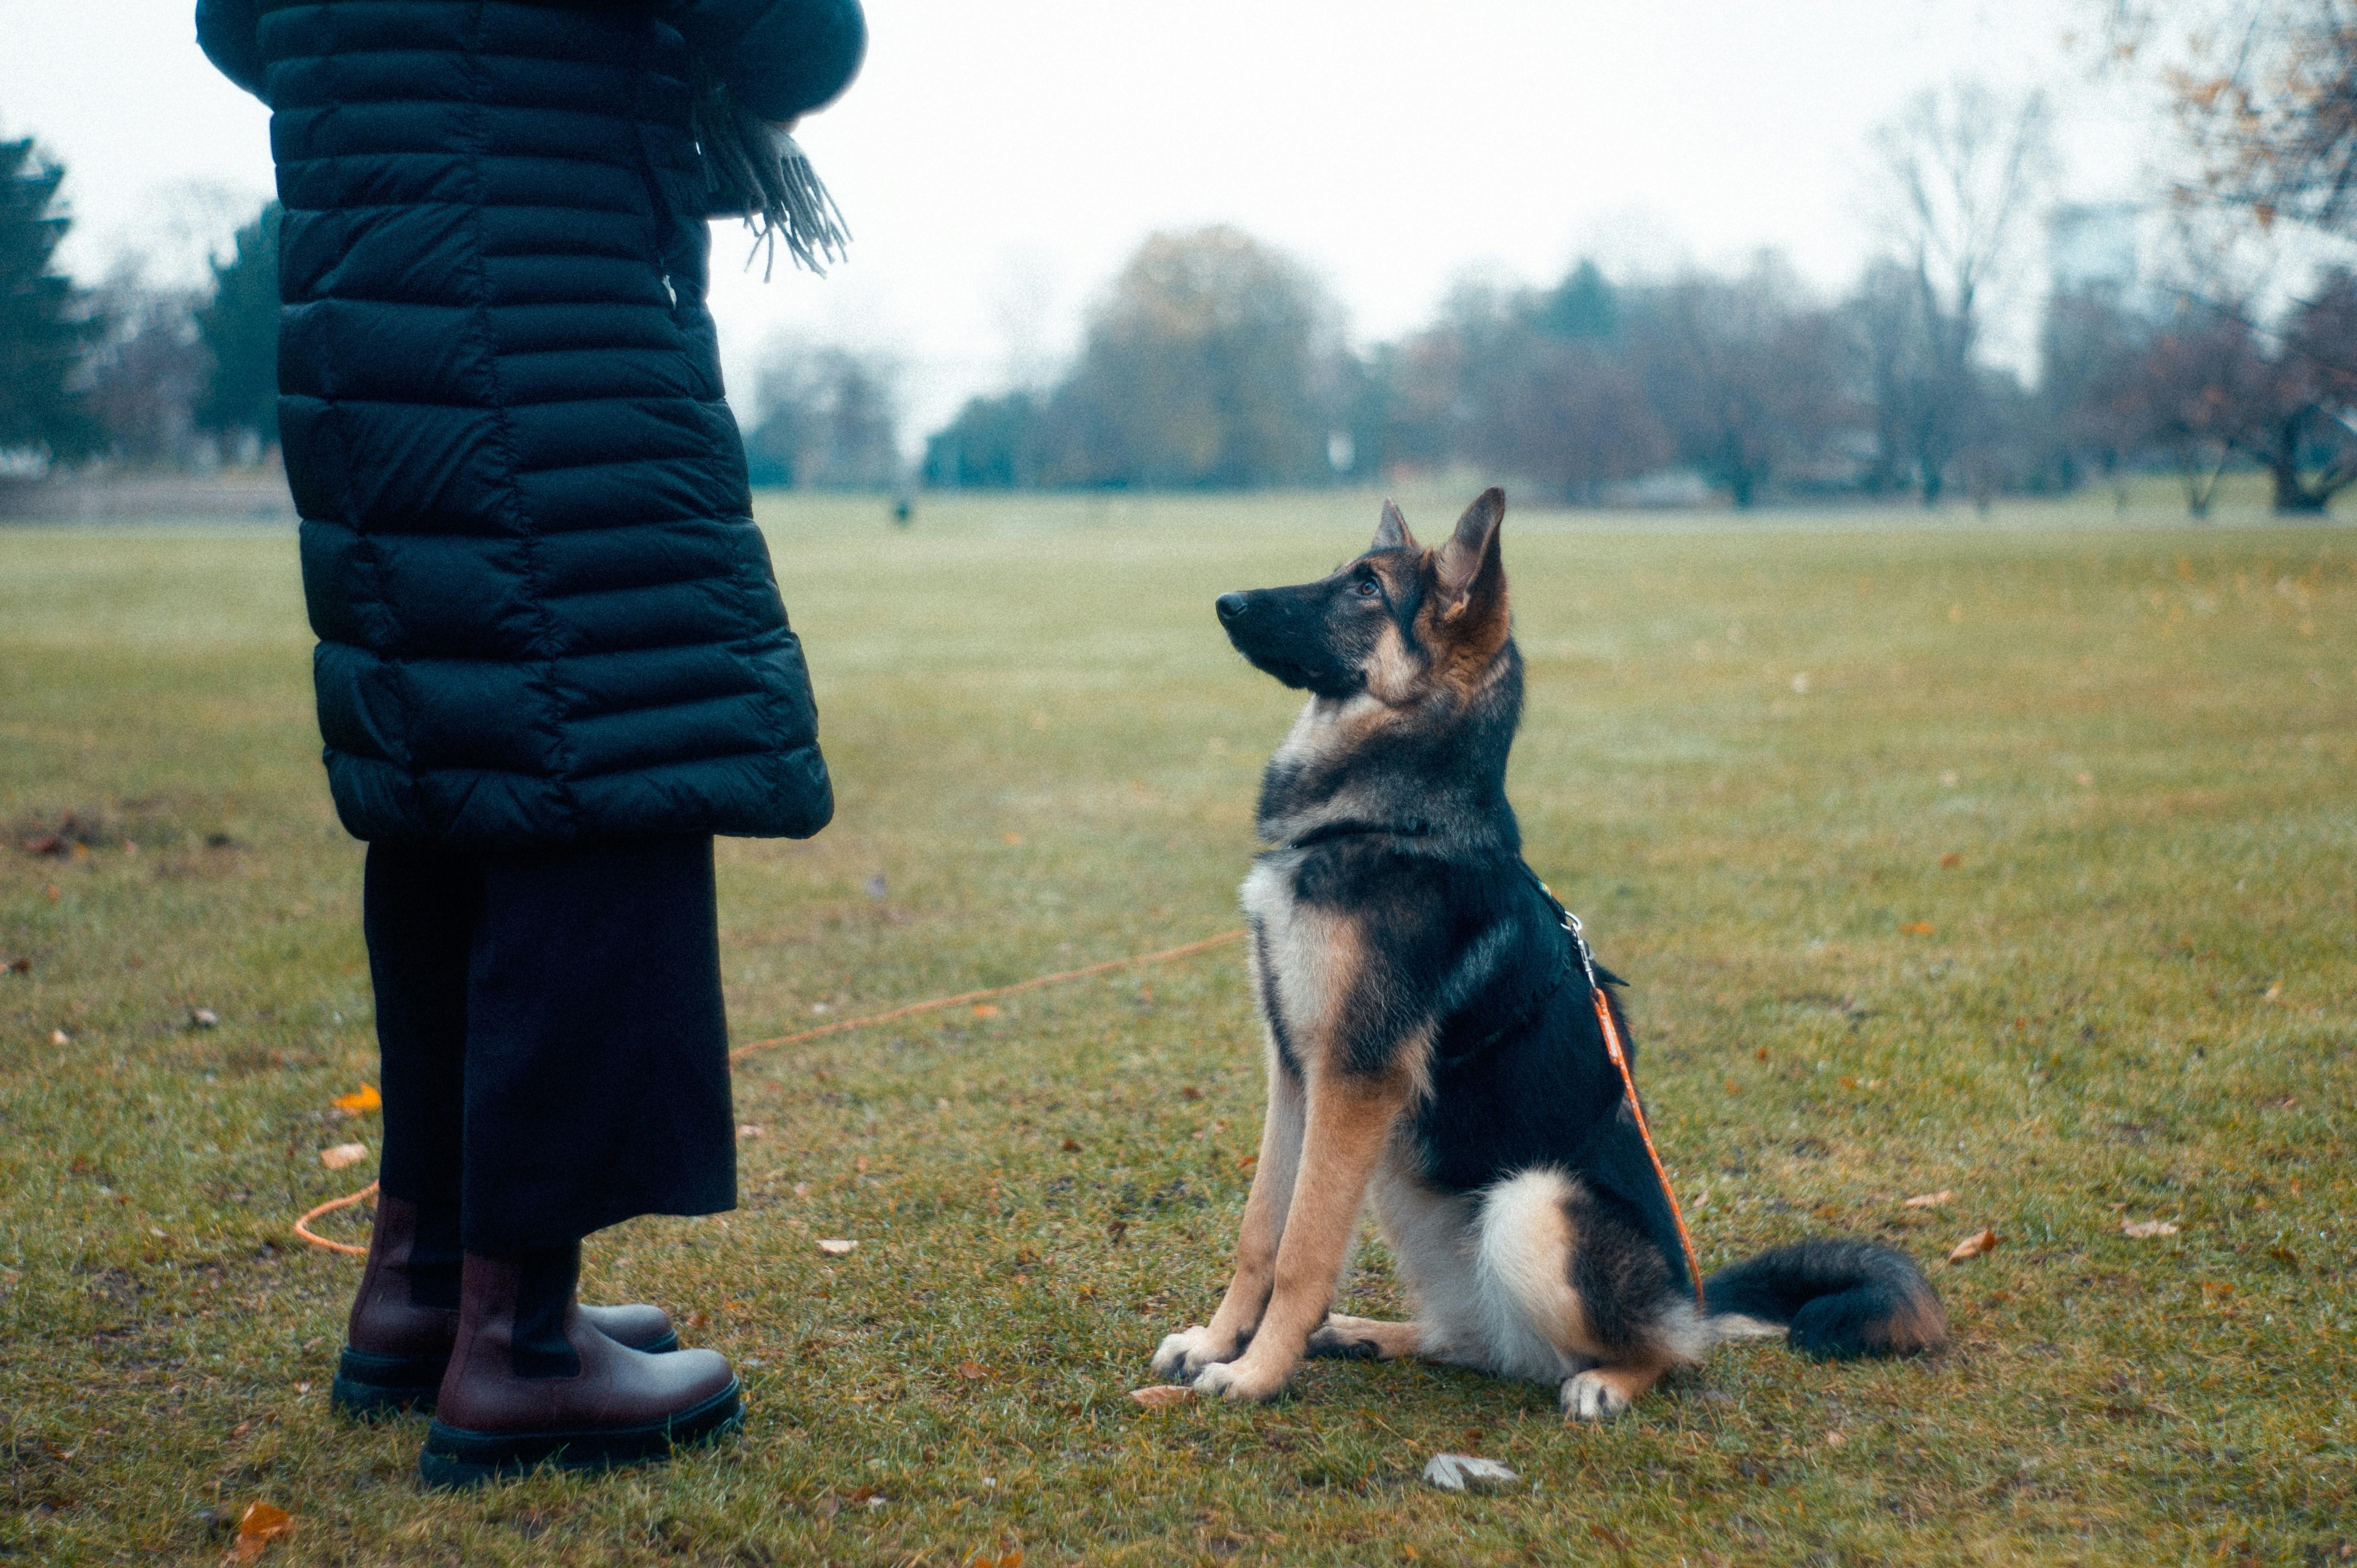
(544, 613)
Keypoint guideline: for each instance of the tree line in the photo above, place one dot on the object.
(1214, 360)
(129, 372)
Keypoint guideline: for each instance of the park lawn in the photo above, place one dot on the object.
(2017, 861)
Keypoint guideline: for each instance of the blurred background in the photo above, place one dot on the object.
(1936, 251)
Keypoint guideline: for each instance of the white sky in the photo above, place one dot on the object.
(997, 161)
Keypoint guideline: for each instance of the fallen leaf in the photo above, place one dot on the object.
(1950, 861)
(1071, 1145)
(1836, 1438)
(1468, 1473)
(1932, 1200)
(985, 1010)
(835, 1245)
(1973, 1246)
(1155, 1396)
(1014, 838)
(59, 1037)
(972, 1372)
(257, 1528)
(359, 1102)
(2143, 1229)
(338, 1156)
(801, 1189)
(1917, 928)
(20, 966)
(203, 1018)
(1191, 1092)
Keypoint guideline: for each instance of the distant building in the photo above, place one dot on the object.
(2095, 247)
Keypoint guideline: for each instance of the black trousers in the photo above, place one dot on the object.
(555, 1051)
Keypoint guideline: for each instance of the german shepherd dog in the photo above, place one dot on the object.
(1432, 1040)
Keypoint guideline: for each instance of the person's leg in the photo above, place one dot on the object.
(597, 1047)
(421, 913)
(417, 912)
(597, 1090)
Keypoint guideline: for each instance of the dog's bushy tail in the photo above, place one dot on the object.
(1837, 1300)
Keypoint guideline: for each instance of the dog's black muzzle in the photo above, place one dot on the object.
(1289, 633)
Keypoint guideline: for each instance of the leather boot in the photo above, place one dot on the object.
(406, 1318)
(531, 1382)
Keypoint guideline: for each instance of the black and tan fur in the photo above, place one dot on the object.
(1427, 1049)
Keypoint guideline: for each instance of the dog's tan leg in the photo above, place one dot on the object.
(1185, 1353)
(1366, 1338)
(1350, 1120)
(1602, 1393)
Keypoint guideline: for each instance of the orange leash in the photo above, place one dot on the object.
(303, 1226)
(1619, 1055)
(938, 1002)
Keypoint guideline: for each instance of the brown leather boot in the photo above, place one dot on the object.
(406, 1318)
(531, 1382)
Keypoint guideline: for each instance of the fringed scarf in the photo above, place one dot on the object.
(751, 162)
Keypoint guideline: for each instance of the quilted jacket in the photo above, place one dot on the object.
(544, 613)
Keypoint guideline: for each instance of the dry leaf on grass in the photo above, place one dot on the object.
(259, 1526)
(1155, 1396)
(835, 1245)
(985, 1010)
(1973, 1246)
(59, 1037)
(1917, 928)
(972, 1372)
(1932, 1200)
(359, 1102)
(2141, 1228)
(336, 1156)
(1950, 861)
(985, 1558)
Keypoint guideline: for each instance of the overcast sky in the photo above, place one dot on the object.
(997, 161)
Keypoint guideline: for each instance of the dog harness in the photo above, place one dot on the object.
(1618, 1052)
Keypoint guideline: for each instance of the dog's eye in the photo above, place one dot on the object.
(1368, 588)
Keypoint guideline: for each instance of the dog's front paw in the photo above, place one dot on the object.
(1185, 1353)
(1240, 1382)
(1589, 1397)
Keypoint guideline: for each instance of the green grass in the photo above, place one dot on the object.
(1751, 752)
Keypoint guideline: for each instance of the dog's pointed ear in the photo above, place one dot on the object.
(1392, 533)
(1469, 568)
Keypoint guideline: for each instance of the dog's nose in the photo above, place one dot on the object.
(1230, 606)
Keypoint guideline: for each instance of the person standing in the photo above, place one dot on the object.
(553, 660)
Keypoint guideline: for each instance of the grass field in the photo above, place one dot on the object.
(2018, 860)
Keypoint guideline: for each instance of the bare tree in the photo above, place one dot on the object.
(147, 371)
(1212, 361)
(1743, 372)
(1965, 168)
(2267, 93)
(824, 417)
